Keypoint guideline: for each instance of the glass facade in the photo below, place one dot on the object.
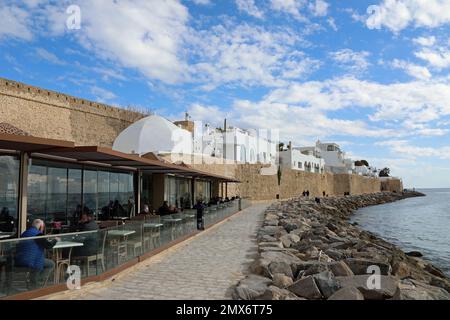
(9, 194)
(202, 190)
(60, 192)
(178, 192)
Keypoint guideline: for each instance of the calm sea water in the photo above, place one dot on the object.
(421, 224)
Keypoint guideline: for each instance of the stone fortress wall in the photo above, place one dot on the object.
(48, 114)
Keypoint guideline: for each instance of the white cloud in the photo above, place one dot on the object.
(48, 56)
(102, 95)
(397, 15)
(247, 55)
(438, 58)
(299, 8)
(416, 71)
(404, 148)
(201, 2)
(353, 60)
(425, 41)
(250, 8)
(14, 23)
(319, 8)
(289, 6)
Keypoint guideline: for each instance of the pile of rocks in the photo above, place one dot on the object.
(309, 250)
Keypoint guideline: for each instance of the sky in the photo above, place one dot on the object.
(372, 76)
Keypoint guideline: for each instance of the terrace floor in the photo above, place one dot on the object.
(203, 267)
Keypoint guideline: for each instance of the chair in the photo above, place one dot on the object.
(108, 224)
(135, 242)
(86, 260)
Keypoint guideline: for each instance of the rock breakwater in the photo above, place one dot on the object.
(309, 250)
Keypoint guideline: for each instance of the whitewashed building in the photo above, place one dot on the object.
(241, 146)
(334, 158)
(302, 160)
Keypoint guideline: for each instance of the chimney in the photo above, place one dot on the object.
(225, 124)
(290, 145)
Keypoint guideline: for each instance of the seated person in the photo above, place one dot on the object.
(90, 243)
(31, 254)
(164, 209)
(6, 221)
(173, 209)
(145, 210)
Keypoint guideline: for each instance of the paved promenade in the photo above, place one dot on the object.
(203, 267)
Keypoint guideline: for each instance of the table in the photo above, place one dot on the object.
(153, 225)
(122, 251)
(59, 260)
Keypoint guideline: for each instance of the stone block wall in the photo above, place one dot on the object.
(48, 114)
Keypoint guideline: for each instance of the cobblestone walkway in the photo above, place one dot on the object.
(204, 267)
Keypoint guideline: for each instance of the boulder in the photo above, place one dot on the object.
(410, 289)
(360, 266)
(416, 254)
(334, 254)
(347, 293)
(280, 267)
(341, 269)
(252, 287)
(286, 241)
(261, 265)
(275, 293)
(294, 238)
(306, 288)
(401, 270)
(281, 281)
(327, 283)
(387, 289)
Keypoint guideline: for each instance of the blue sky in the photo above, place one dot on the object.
(373, 75)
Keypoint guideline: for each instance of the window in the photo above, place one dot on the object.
(243, 154)
(9, 193)
(299, 165)
(330, 148)
(202, 190)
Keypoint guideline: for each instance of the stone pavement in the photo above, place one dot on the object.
(203, 267)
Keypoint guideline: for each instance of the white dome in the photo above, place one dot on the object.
(154, 134)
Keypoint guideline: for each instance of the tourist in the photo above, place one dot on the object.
(145, 210)
(90, 245)
(200, 210)
(7, 221)
(31, 254)
(307, 193)
(164, 210)
(304, 193)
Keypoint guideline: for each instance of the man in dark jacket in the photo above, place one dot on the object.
(31, 253)
(200, 209)
(90, 243)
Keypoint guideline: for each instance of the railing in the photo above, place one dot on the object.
(96, 252)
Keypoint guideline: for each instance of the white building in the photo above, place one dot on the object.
(160, 136)
(366, 171)
(306, 160)
(242, 146)
(334, 157)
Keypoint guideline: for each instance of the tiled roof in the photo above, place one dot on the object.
(7, 128)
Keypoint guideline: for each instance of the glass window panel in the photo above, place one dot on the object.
(37, 192)
(9, 191)
(74, 195)
(104, 203)
(90, 190)
(56, 195)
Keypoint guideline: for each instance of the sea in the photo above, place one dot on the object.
(414, 224)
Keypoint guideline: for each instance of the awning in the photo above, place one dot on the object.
(31, 144)
(101, 156)
(117, 159)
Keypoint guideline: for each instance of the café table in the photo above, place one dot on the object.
(154, 238)
(121, 246)
(60, 262)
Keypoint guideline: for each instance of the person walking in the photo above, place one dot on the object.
(200, 210)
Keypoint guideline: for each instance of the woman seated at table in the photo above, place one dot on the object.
(31, 253)
(90, 243)
(165, 209)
